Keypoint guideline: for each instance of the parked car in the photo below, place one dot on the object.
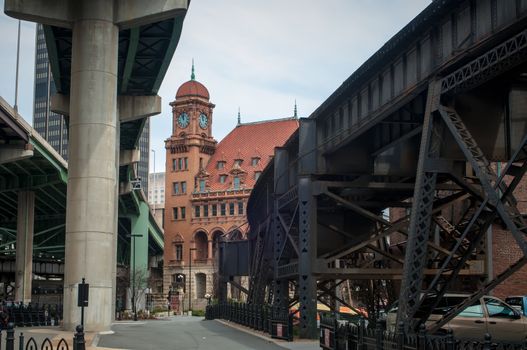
(487, 315)
(518, 302)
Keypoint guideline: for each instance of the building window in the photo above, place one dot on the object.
(197, 211)
(183, 187)
(257, 175)
(202, 185)
(179, 252)
(205, 211)
(220, 165)
(236, 183)
(231, 208)
(180, 163)
(174, 213)
(240, 208)
(238, 162)
(223, 178)
(183, 211)
(174, 164)
(255, 161)
(175, 187)
(222, 209)
(214, 209)
(185, 163)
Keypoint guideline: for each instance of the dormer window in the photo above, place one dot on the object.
(255, 161)
(220, 165)
(236, 183)
(238, 162)
(257, 175)
(223, 178)
(202, 185)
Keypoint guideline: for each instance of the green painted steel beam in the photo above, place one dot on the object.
(53, 56)
(174, 39)
(133, 42)
(60, 168)
(139, 239)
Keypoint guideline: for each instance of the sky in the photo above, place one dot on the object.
(258, 56)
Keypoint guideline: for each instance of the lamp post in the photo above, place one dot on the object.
(133, 236)
(190, 250)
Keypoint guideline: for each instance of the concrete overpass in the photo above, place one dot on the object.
(33, 236)
(108, 59)
(364, 190)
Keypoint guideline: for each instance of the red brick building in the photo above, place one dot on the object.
(207, 185)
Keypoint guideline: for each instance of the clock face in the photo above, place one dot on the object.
(203, 120)
(183, 120)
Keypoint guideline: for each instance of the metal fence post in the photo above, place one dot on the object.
(524, 347)
(487, 344)
(400, 336)
(21, 341)
(421, 338)
(450, 342)
(378, 336)
(10, 337)
(360, 338)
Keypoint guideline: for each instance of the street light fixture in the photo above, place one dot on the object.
(190, 250)
(134, 308)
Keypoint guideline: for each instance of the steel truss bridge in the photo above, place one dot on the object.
(394, 181)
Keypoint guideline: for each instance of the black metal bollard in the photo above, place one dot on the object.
(78, 339)
(10, 337)
(21, 341)
(487, 344)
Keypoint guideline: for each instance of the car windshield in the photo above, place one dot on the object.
(515, 301)
(445, 304)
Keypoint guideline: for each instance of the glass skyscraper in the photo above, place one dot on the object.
(53, 127)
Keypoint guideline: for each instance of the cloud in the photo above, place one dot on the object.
(256, 55)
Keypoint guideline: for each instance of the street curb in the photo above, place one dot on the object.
(248, 331)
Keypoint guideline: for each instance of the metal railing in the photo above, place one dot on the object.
(278, 323)
(334, 336)
(47, 344)
(32, 315)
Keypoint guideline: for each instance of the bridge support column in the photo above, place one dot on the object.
(308, 227)
(92, 185)
(24, 245)
(139, 243)
(421, 215)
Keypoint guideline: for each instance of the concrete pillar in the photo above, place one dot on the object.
(92, 180)
(24, 245)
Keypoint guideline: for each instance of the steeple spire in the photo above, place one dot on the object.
(295, 115)
(192, 75)
(239, 117)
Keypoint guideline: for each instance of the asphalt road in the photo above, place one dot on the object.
(181, 333)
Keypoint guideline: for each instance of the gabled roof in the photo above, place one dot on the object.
(245, 142)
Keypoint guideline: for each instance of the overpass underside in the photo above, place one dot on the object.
(389, 188)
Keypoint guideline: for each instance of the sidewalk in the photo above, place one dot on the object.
(294, 345)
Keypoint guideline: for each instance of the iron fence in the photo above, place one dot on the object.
(31, 315)
(278, 323)
(31, 344)
(334, 336)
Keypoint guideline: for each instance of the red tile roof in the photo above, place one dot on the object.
(245, 142)
(192, 88)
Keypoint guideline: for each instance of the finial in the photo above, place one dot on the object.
(295, 115)
(239, 117)
(192, 76)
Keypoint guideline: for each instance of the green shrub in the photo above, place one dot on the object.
(200, 313)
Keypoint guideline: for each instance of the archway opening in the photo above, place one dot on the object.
(201, 285)
(201, 244)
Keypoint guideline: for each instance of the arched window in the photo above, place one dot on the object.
(201, 243)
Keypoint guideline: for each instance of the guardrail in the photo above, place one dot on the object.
(334, 336)
(47, 344)
(278, 323)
